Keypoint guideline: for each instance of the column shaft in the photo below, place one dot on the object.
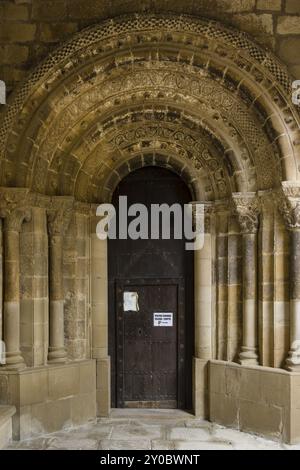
(288, 201)
(11, 311)
(293, 359)
(250, 340)
(247, 210)
(203, 300)
(57, 352)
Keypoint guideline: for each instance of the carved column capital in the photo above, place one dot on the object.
(202, 209)
(12, 198)
(15, 218)
(246, 208)
(59, 215)
(288, 203)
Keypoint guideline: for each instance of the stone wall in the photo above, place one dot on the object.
(50, 399)
(6, 414)
(255, 399)
(31, 29)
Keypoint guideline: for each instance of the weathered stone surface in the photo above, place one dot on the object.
(49, 10)
(52, 31)
(273, 5)
(99, 435)
(6, 414)
(292, 6)
(288, 25)
(224, 409)
(262, 419)
(13, 33)
(15, 12)
(255, 23)
(51, 398)
(255, 398)
(13, 54)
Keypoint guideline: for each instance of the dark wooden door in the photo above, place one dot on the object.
(151, 366)
(150, 344)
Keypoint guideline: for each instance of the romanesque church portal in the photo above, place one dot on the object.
(151, 101)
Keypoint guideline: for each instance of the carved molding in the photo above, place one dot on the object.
(236, 119)
(246, 208)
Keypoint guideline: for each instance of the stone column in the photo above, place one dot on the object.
(247, 211)
(34, 300)
(58, 221)
(289, 206)
(203, 288)
(203, 282)
(99, 316)
(11, 311)
(234, 296)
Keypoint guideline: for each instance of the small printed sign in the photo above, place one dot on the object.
(163, 319)
(130, 302)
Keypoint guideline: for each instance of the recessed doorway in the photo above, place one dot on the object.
(151, 318)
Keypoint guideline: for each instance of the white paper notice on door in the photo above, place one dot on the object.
(130, 302)
(162, 319)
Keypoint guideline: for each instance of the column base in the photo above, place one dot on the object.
(293, 361)
(248, 357)
(57, 356)
(14, 361)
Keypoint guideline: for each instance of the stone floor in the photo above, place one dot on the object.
(151, 429)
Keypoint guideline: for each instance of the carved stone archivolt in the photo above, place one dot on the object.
(236, 121)
(247, 210)
(88, 82)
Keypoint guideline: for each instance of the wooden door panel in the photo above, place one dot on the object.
(148, 354)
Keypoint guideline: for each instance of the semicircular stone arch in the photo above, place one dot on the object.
(213, 77)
